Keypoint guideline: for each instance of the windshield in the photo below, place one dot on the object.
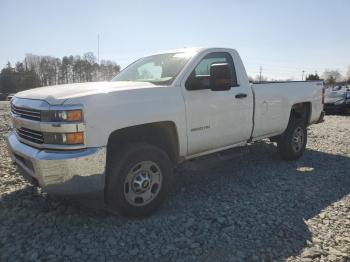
(157, 69)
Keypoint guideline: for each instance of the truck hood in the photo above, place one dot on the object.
(56, 95)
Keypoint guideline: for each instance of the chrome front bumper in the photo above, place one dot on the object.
(60, 172)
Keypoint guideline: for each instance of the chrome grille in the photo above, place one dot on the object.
(27, 113)
(30, 135)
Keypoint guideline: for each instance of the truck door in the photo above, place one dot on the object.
(219, 118)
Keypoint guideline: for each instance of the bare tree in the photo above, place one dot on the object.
(37, 71)
(108, 70)
(260, 79)
(331, 77)
(348, 75)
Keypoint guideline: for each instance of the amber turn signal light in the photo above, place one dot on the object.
(75, 138)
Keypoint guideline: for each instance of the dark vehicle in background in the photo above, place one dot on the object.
(337, 101)
(9, 96)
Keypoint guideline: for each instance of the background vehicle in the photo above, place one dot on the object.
(125, 136)
(10, 96)
(337, 101)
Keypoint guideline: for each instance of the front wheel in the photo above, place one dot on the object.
(139, 179)
(291, 145)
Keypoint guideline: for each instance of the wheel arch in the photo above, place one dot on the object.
(161, 134)
(301, 111)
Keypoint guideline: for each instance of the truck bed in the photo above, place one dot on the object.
(273, 101)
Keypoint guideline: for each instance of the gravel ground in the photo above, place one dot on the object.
(252, 208)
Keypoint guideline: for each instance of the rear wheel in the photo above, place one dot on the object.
(291, 144)
(139, 179)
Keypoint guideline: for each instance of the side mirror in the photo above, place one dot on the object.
(220, 77)
(198, 83)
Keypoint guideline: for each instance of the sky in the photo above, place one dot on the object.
(282, 37)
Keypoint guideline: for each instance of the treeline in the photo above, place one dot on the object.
(35, 71)
(330, 78)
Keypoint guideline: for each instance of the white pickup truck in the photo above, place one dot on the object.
(123, 137)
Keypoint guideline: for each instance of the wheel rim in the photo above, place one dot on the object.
(143, 183)
(298, 139)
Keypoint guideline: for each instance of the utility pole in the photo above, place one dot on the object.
(260, 74)
(98, 49)
(302, 75)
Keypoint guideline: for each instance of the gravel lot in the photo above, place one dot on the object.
(253, 208)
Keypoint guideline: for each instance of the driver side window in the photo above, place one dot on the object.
(200, 76)
(203, 68)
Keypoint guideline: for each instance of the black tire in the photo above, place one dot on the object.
(118, 189)
(287, 147)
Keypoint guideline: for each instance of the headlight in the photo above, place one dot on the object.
(66, 115)
(64, 138)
